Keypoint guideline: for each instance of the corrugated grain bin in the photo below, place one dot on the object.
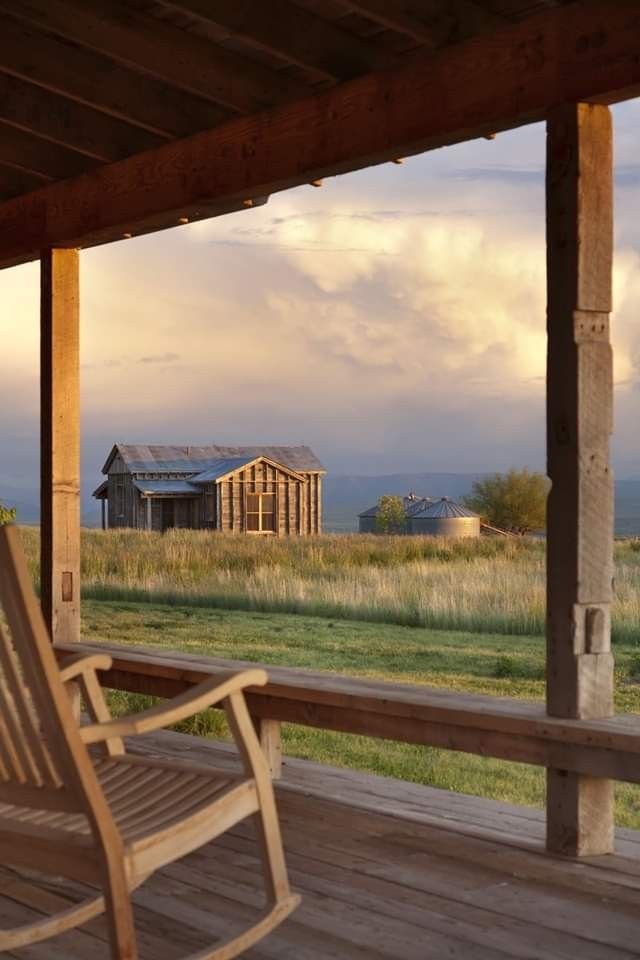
(444, 518)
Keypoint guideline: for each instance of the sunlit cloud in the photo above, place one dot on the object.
(393, 320)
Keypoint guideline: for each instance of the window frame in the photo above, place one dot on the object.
(260, 513)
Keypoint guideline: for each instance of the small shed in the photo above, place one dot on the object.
(444, 518)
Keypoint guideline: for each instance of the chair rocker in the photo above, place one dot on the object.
(112, 819)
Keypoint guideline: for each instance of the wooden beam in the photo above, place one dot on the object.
(60, 444)
(269, 734)
(579, 421)
(182, 59)
(291, 32)
(69, 124)
(535, 65)
(95, 81)
(499, 727)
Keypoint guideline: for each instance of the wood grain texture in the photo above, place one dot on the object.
(60, 443)
(387, 869)
(497, 81)
(488, 726)
(114, 819)
(184, 60)
(579, 422)
(291, 32)
(96, 81)
(69, 124)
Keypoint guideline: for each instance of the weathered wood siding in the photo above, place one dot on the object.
(297, 504)
(222, 506)
(124, 501)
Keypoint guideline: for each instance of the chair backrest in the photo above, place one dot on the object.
(43, 762)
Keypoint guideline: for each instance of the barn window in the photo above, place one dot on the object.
(261, 512)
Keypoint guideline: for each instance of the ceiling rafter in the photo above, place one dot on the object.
(14, 182)
(88, 78)
(177, 57)
(25, 152)
(437, 100)
(430, 22)
(72, 125)
(291, 32)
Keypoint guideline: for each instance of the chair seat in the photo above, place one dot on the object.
(147, 798)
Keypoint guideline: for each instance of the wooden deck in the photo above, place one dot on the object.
(386, 870)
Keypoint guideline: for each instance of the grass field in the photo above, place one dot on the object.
(465, 615)
(493, 664)
(481, 586)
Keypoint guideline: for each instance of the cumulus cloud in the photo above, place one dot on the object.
(393, 320)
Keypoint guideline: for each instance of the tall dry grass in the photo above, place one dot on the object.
(482, 586)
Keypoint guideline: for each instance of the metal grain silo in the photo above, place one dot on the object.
(445, 518)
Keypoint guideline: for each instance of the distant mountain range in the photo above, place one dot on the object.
(347, 496)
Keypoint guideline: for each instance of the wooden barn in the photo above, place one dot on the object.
(268, 490)
(124, 117)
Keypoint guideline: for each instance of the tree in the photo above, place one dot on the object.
(7, 514)
(390, 517)
(516, 500)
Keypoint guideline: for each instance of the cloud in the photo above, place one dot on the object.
(511, 175)
(393, 320)
(163, 358)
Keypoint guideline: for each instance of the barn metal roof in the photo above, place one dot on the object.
(227, 465)
(101, 491)
(160, 458)
(220, 468)
(443, 509)
(159, 488)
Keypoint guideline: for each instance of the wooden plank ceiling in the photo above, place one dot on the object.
(119, 117)
(89, 82)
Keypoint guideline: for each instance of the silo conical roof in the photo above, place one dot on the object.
(443, 509)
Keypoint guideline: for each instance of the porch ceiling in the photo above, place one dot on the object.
(98, 96)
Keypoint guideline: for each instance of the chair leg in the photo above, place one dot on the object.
(268, 826)
(122, 934)
(271, 850)
(119, 909)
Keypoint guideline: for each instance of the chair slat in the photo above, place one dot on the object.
(19, 712)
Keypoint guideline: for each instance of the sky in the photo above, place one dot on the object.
(393, 319)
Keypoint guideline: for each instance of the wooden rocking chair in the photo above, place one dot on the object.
(113, 819)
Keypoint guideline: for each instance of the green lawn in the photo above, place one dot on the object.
(476, 663)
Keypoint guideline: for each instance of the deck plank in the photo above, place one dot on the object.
(387, 870)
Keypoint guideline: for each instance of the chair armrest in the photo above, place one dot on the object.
(79, 663)
(186, 704)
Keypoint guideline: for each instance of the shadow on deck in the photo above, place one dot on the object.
(386, 870)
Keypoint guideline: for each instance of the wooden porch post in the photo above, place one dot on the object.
(579, 420)
(149, 514)
(103, 504)
(60, 443)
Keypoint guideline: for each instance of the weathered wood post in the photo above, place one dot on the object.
(60, 443)
(579, 420)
